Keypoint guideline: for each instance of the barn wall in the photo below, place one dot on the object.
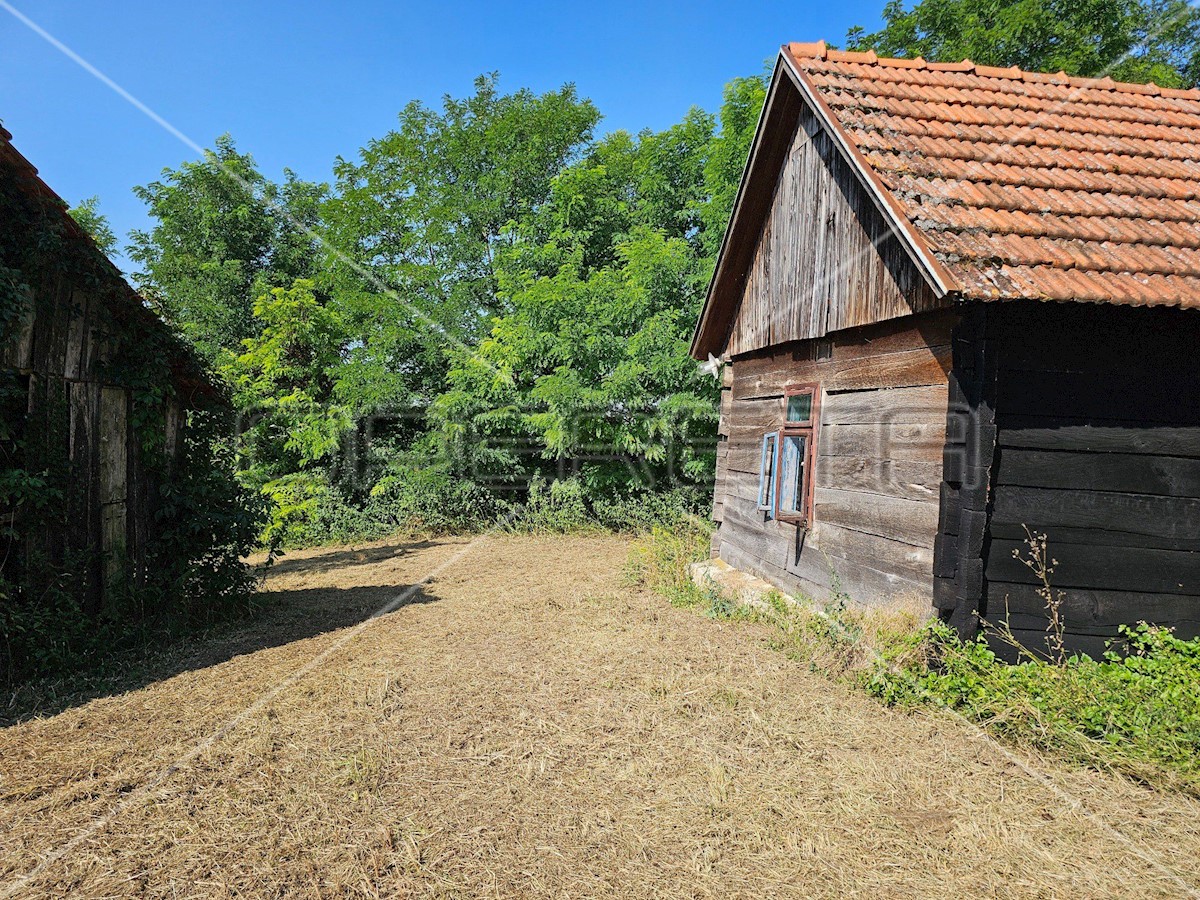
(826, 259)
(1098, 431)
(79, 428)
(879, 459)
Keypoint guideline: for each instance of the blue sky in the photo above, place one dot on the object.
(298, 84)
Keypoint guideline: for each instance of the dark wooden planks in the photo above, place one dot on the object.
(1104, 566)
(1138, 395)
(968, 466)
(1068, 433)
(1153, 474)
(1099, 512)
(1099, 436)
(1092, 607)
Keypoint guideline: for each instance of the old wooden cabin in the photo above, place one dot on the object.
(83, 464)
(956, 302)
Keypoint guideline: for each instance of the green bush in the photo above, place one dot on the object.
(1137, 710)
(555, 507)
(640, 512)
(434, 501)
(307, 510)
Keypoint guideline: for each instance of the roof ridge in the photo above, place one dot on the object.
(821, 50)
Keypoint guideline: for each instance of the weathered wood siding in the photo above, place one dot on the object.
(826, 259)
(726, 413)
(967, 465)
(79, 427)
(879, 460)
(1098, 433)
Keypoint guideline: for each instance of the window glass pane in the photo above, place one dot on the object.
(766, 476)
(799, 407)
(791, 475)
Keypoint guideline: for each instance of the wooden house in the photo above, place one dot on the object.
(83, 464)
(957, 302)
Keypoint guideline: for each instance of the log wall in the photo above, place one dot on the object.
(1097, 413)
(879, 460)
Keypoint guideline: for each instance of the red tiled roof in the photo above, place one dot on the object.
(1027, 185)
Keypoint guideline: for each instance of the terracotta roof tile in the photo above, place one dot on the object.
(1029, 184)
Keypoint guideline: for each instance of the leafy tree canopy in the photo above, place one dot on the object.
(283, 382)
(1129, 40)
(224, 236)
(489, 274)
(418, 220)
(87, 216)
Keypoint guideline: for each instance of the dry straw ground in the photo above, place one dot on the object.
(529, 726)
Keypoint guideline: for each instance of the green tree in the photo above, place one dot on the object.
(87, 216)
(224, 236)
(1129, 40)
(587, 368)
(284, 381)
(418, 221)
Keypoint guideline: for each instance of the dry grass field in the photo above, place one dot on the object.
(523, 724)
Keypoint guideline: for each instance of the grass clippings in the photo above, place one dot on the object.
(532, 726)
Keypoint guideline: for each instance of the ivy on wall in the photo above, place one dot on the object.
(193, 519)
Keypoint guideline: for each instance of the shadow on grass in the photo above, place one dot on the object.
(284, 617)
(342, 557)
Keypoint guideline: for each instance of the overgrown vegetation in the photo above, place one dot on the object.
(488, 311)
(493, 296)
(481, 320)
(1135, 711)
(189, 571)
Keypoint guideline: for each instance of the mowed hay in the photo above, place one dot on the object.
(528, 726)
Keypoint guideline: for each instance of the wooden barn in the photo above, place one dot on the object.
(956, 302)
(93, 395)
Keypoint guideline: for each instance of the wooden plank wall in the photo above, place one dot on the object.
(879, 465)
(826, 259)
(726, 411)
(1098, 427)
(967, 465)
(81, 428)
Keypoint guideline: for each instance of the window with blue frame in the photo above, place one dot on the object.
(766, 472)
(789, 457)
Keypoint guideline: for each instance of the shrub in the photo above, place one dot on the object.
(433, 501)
(1137, 710)
(307, 510)
(640, 512)
(555, 507)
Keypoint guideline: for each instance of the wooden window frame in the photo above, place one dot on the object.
(807, 430)
(769, 505)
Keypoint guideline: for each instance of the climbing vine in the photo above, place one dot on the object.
(193, 519)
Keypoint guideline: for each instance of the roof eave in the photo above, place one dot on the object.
(734, 218)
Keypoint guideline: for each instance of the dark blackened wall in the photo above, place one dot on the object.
(1097, 415)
